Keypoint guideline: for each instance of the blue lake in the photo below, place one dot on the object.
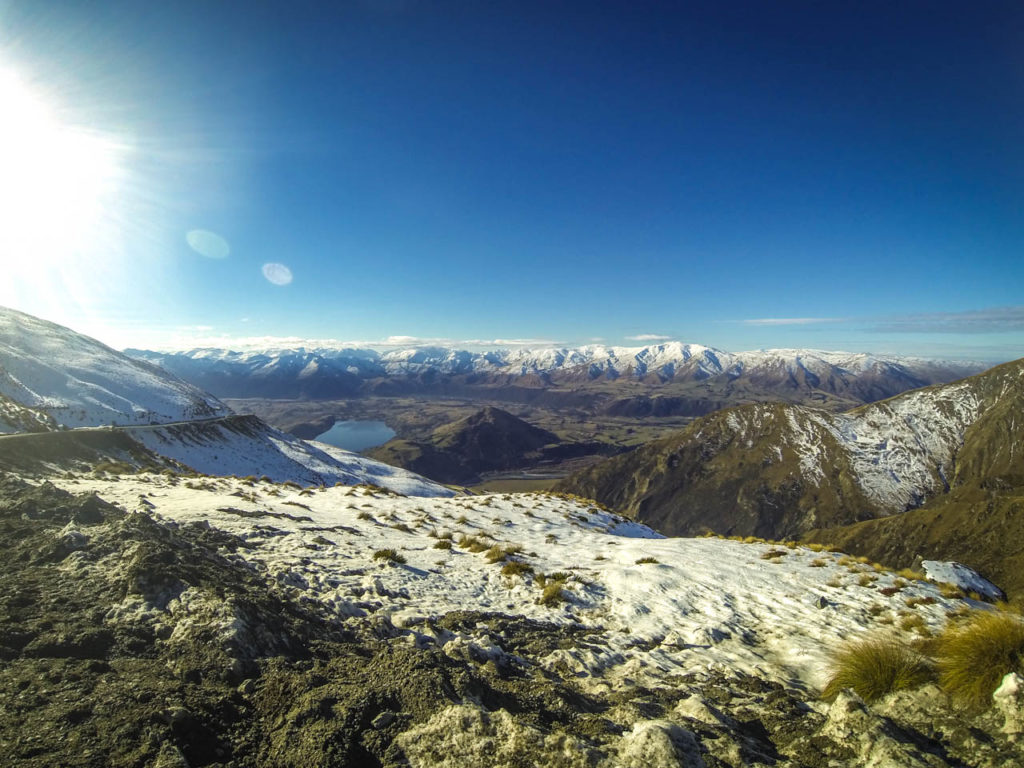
(357, 435)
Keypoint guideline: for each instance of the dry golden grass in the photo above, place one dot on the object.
(389, 555)
(974, 656)
(516, 568)
(552, 593)
(498, 554)
(876, 666)
(911, 575)
(473, 544)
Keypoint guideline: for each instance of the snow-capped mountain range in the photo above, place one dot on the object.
(325, 372)
(666, 361)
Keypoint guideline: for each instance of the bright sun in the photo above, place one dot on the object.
(55, 181)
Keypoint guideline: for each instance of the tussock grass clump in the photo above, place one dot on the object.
(974, 656)
(771, 554)
(643, 560)
(373, 488)
(552, 594)
(389, 555)
(551, 585)
(951, 592)
(516, 568)
(876, 666)
(443, 544)
(114, 468)
(473, 544)
(817, 563)
(913, 622)
(497, 553)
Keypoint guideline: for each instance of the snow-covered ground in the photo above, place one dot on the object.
(706, 603)
(244, 445)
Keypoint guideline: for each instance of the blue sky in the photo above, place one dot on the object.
(747, 174)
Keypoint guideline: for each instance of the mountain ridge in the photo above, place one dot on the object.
(779, 470)
(705, 373)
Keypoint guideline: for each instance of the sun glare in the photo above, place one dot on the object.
(55, 180)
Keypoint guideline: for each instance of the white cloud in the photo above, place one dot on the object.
(400, 341)
(991, 320)
(649, 337)
(185, 338)
(792, 320)
(510, 342)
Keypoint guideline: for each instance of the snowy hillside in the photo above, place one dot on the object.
(774, 613)
(902, 450)
(244, 446)
(79, 382)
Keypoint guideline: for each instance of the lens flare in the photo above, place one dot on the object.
(278, 274)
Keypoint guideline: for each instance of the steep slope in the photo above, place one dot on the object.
(780, 470)
(487, 441)
(79, 382)
(980, 527)
(15, 417)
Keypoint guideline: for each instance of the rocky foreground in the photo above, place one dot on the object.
(224, 622)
